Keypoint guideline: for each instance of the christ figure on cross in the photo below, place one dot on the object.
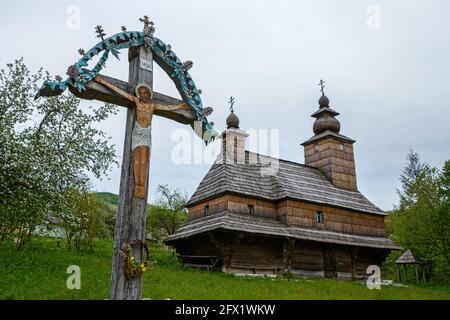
(141, 135)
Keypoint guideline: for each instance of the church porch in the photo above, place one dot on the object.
(242, 252)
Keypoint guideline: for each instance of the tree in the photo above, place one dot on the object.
(412, 171)
(421, 221)
(167, 214)
(47, 147)
(110, 206)
(84, 219)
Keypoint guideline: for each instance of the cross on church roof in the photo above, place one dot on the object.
(231, 102)
(322, 85)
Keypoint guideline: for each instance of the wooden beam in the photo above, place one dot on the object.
(354, 258)
(96, 91)
(288, 247)
(131, 215)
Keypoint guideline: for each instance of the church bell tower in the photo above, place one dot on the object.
(233, 139)
(330, 151)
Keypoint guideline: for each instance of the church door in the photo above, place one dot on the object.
(329, 261)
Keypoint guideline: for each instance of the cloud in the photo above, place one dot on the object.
(390, 84)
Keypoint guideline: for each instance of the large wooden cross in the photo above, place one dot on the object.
(130, 224)
(142, 103)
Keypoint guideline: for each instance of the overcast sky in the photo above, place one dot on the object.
(386, 65)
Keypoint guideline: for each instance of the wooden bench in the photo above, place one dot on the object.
(210, 263)
(275, 269)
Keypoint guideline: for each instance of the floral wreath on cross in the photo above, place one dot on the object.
(133, 268)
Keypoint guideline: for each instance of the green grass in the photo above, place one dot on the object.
(39, 272)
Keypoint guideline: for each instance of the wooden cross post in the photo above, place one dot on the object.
(130, 223)
(131, 216)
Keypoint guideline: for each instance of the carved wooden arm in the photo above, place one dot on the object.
(172, 107)
(114, 88)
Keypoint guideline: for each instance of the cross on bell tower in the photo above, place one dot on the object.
(233, 139)
(231, 102)
(322, 85)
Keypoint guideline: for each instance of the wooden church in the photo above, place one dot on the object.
(260, 215)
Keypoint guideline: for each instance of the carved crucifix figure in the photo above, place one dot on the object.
(141, 134)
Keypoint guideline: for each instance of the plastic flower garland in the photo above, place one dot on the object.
(133, 268)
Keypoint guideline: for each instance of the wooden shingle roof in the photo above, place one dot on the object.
(265, 226)
(406, 258)
(275, 179)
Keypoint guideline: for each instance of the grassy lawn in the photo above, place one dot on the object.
(39, 272)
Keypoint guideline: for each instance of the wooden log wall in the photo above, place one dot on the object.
(303, 214)
(344, 265)
(335, 159)
(296, 213)
(256, 254)
(307, 259)
(366, 257)
(235, 204)
(216, 205)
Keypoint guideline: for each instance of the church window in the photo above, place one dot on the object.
(319, 217)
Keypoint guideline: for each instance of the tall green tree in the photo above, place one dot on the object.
(167, 213)
(47, 146)
(84, 219)
(421, 221)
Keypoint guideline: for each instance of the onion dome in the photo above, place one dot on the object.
(325, 117)
(326, 123)
(324, 101)
(232, 121)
